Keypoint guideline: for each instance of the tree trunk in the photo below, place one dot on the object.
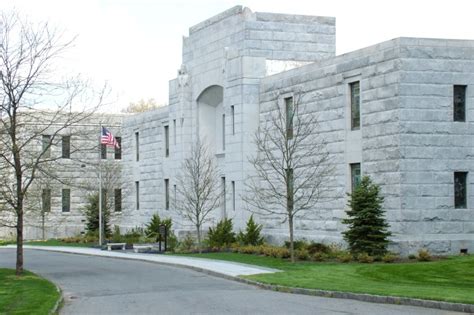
(19, 238)
(198, 229)
(292, 245)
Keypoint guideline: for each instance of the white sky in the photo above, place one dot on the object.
(135, 45)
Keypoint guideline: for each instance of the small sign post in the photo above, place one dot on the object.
(162, 236)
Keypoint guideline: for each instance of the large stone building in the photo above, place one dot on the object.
(400, 111)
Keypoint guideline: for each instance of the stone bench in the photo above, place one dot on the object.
(121, 246)
(140, 248)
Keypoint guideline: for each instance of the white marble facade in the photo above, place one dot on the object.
(238, 62)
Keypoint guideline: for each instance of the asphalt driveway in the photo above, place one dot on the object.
(98, 285)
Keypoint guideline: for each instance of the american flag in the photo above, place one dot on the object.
(107, 138)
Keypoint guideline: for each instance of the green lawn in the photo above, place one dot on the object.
(28, 294)
(450, 279)
(53, 242)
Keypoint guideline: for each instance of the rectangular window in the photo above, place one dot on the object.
(224, 214)
(233, 195)
(232, 112)
(460, 190)
(46, 200)
(459, 103)
(137, 195)
(118, 200)
(137, 146)
(66, 147)
(175, 195)
(223, 132)
(167, 141)
(46, 146)
(289, 111)
(118, 151)
(167, 194)
(355, 175)
(174, 131)
(355, 105)
(290, 184)
(66, 200)
(103, 151)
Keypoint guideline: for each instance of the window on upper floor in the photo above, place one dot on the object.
(66, 147)
(289, 112)
(46, 146)
(459, 103)
(355, 105)
(137, 146)
(137, 195)
(167, 140)
(460, 190)
(118, 150)
(223, 132)
(355, 175)
(232, 113)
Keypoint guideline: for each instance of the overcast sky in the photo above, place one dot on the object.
(135, 45)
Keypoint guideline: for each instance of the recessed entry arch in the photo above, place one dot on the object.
(212, 117)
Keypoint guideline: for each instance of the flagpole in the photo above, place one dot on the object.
(100, 186)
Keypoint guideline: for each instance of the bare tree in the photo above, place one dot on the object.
(28, 54)
(198, 188)
(292, 164)
(142, 106)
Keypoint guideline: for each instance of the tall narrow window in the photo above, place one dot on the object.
(103, 151)
(223, 132)
(355, 175)
(118, 200)
(167, 141)
(174, 131)
(66, 200)
(167, 194)
(232, 112)
(289, 110)
(137, 146)
(290, 184)
(175, 196)
(137, 195)
(224, 210)
(46, 200)
(355, 105)
(459, 103)
(233, 195)
(46, 146)
(66, 147)
(118, 151)
(460, 190)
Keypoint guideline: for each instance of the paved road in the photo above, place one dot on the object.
(97, 285)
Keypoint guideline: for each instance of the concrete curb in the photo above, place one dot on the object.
(446, 306)
(59, 302)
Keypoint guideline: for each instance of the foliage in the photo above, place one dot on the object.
(302, 254)
(389, 258)
(142, 106)
(186, 244)
(222, 235)
(365, 258)
(412, 256)
(367, 231)
(424, 255)
(252, 233)
(344, 257)
(152, 228)
(91, 211)
(29, 294)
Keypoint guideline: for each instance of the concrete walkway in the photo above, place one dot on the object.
(203, 264)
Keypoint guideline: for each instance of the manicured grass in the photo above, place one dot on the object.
(28, 294)
(54, 242)
(450, 279)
